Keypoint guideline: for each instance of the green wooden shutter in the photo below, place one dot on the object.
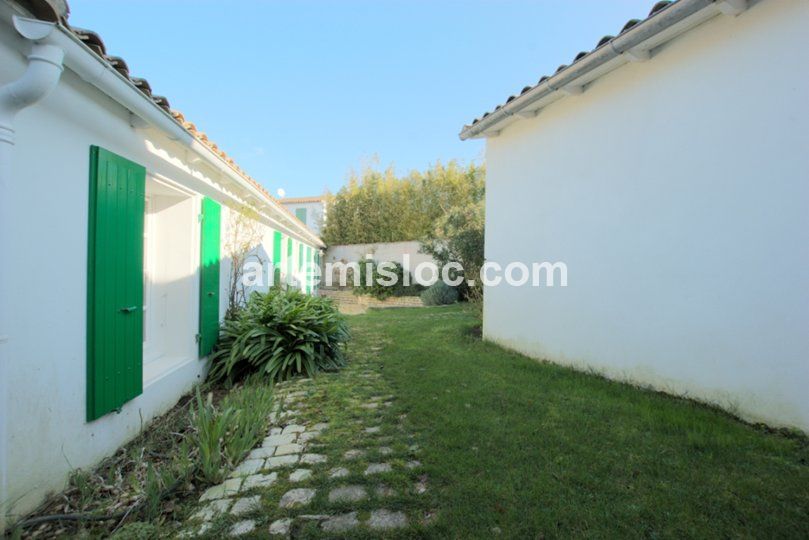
(114, 282)
(302, 284)
(276, 257)
(209, 276)
(308, 269)
(289, 259)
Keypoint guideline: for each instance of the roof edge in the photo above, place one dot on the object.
(630, 41)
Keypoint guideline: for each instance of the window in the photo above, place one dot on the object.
(300, 213)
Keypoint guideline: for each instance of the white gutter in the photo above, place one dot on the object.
(632, 45)
(99, 73)
(40, 77)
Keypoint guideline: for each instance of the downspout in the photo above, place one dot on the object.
(40, 77)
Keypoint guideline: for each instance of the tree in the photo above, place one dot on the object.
(378, 206)
(244, 234)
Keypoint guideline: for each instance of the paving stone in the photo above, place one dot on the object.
(372, 430)
(321, 426)
(242, 527)
(414, 464)
(275, 431)
(385, 450)
(421, 485)
(385, 519)
(278, 439)
(225, 489)
(347, 494)
(212, 509)
(299, 475)
(353, 454)
(297, 497)
(293, 428)
(384, 491)
(281, 461)
(273, 417)
(246, 505)
(248, 467)
(308, 436)
(372, 405)
(377, 468)
(287, 449)
(261, 453)
(340, 523)
(280, 527)
(313, 517)
(338, 472)
(313, 459)
(259, 480)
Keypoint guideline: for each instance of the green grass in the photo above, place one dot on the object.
(538, 450)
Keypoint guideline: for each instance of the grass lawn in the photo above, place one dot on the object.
(528, 449)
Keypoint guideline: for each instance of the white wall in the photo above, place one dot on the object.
(315, 214)
(677, 192)
(381, 252)
(46, 260)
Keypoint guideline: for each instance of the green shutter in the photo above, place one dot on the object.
(300, 213)
(289, 258)
(209, 277)
(316, 286)
(300, 266)
(277, 240)
(114, 282)
(308, 269)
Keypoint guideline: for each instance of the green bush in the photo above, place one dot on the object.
(439, 294)
(278, 335)
(381, 291)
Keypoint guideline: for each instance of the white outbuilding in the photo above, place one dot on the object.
(668, 169)
(116, 217)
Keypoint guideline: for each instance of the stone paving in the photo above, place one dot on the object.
(337, 460)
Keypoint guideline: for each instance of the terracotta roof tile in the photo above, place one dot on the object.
(93, 41)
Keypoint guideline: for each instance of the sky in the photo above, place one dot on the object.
(301, 92)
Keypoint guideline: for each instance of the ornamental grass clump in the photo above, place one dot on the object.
(281, 334)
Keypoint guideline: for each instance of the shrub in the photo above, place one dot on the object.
(381, 291)
(278, 335)
(439, 294)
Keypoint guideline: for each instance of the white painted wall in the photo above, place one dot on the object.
(46, 261)
(677, 192)
(380, 252)
(315, 214)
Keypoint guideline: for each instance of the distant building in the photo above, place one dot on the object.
(310, 210)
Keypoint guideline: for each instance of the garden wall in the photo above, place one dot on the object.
(381, 252)
(347, 297)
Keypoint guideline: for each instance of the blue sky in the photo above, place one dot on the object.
(300, 92)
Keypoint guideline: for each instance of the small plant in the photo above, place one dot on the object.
(278, 335)
(210, 428)
(439, 294)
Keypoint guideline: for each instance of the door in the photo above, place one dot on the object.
(209, 276)
(114, 282)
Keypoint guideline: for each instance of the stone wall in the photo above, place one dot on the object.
(347, 297)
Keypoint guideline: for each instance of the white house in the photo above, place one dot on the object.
(116, 214)
(668, 168)
(310, 210)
